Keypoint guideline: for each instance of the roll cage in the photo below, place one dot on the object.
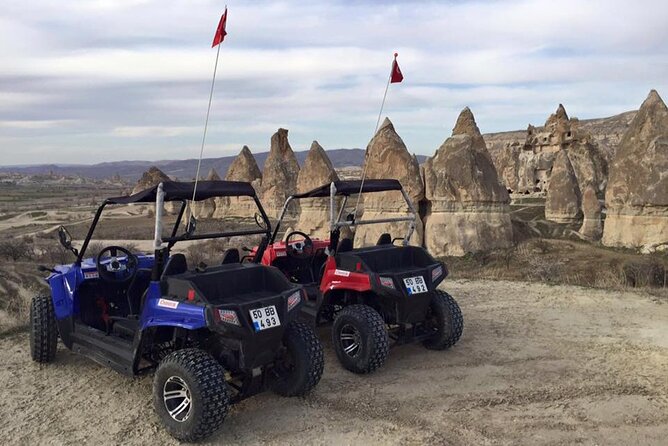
(173, 191)
(345, 189)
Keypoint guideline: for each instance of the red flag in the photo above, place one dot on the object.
(396, 71)
(220, 31)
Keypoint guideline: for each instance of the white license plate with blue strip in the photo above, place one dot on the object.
(264, 318)
(415, 285)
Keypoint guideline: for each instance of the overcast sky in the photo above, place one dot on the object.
(101, 80)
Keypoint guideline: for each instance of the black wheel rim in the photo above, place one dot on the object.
(177, 398)
(350, 340)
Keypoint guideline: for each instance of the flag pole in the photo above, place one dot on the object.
(206, 123)
(366, 152)
(218, 38)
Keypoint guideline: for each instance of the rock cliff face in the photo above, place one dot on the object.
(563, 201)
(591, 228)
(243, 168)
(279, 178)
(468, 207)
(205, 209)
(637, 193)
(314, 212)
(388, 157)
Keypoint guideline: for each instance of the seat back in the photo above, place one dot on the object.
(176, 264)
(231, 256)
(384, 239)
(136, 289)
(345, 245)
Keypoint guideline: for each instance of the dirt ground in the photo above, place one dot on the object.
(536, 364)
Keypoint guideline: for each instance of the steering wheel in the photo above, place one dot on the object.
(302, 249)
(114, 270)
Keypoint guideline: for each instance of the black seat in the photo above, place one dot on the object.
(176, 264)
(136, 289)
(384, 239)
(345, 245)
(231, 256)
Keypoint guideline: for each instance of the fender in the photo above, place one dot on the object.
(336, 279)
(161, 312)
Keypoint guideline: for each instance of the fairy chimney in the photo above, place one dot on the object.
(206, 208)
(314, 212)
(243, 168)
(591, 228)
(468, 206)
(563, 201)
(279, 178)
(637, 193)
(388, 157)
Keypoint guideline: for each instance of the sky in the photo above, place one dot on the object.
(106, 80)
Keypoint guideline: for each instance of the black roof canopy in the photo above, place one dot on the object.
(177, 191)
(347, 188)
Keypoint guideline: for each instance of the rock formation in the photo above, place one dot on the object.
(387, 157)
(591, 228)
(279, 178)
(243, 168)
(526, 167)
(468, 206)
(563, 201)
(152, 177)
(314, 212)
(205, 209)
(637, 193)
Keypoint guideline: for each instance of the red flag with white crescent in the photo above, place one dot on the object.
(396, 76)
(220, 31)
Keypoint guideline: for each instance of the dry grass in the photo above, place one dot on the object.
(566, 262)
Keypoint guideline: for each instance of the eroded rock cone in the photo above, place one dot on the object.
(314, 212)
(152, 177)
(469, 207)
(591, 228)
(279, 178)
(563, 201)
(388, 157)
(206, 208)
(243, 168)
(637, 193)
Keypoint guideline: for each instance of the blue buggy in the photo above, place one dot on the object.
(213, 335)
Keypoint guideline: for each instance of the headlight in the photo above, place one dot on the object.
(294, 299)
(386, 282)
(436, 273)
(229, 317)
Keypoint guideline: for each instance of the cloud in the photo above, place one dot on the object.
(130, 78)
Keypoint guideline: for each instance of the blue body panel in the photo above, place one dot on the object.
(65, 282)
(158, 312)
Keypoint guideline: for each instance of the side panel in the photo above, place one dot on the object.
(336, 279)
(159, 311)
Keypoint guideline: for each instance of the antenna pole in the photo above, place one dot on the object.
(366, 152)
(206, 125)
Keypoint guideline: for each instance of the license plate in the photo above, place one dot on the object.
(264, 318)
(415, 285)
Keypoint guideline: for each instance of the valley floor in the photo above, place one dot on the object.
(537, 364)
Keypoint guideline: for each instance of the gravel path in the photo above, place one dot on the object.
(537, 364)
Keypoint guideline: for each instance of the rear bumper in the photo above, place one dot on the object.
(399, 305)
(252, 348)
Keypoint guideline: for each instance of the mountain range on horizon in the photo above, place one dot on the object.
(606, 131)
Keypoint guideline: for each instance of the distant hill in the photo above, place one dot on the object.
(181, 169)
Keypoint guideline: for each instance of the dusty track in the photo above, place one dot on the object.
(536, 365)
